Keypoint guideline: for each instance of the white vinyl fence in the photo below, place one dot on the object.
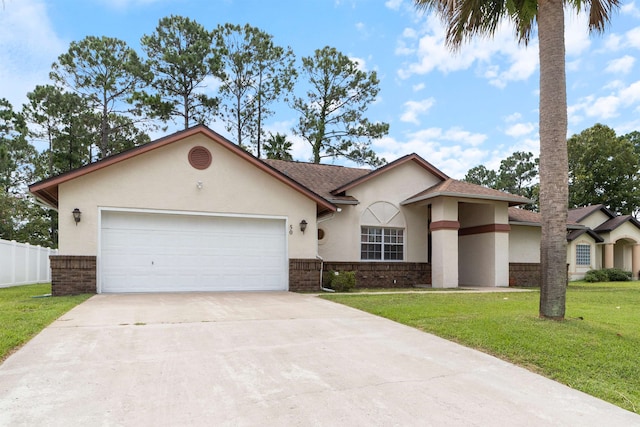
(23, 264)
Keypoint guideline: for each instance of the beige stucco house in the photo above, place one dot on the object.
(194, 212)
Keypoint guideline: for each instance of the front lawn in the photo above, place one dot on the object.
(596, 350)
(22, 316)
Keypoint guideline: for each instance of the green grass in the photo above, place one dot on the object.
(22, 316)
(595, 350)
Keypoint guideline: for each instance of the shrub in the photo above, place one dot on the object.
(617, 275)
(607, 275)
(342, 281)
(593, 276)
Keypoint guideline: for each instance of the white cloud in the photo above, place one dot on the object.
(418, 87)
(454, 151)
(488, 54)
(361, 63)
(413, 109)
(393, 4)
(513, 117)
(576, 33)
(630, 9)
(519, 130)
(621, 65)
(633, 37)
(613, 43)
(28, 47)
(631, 94)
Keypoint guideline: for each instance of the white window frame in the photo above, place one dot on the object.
(387, 236)
(583, 254)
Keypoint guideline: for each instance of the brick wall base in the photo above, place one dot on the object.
(524, 274)
(385, 274)
(73, 274)
(304, 274)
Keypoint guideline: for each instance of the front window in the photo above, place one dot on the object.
(383, 244)
(583, 254)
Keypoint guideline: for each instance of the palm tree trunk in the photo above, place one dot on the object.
(553, 159)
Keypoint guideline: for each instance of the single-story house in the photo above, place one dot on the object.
(194, 212)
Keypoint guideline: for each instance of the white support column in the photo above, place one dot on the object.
(444, 235)
(608, 255)
(635, 261)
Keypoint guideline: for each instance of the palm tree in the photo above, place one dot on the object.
(465, 19)
(277, 147)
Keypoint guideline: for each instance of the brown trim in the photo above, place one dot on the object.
(488, 228)
(402, 160)
(445, 225)
(48, 187)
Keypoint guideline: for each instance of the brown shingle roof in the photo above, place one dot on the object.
(321, 179)
(578, 214)
(453, 187)
(616, 222)
(523, 215)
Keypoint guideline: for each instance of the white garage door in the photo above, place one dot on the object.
(152, 252)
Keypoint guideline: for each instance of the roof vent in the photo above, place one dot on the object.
(200, 157)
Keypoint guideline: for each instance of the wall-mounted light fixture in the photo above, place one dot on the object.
(303, 225)
(76, 215)
(199, 184)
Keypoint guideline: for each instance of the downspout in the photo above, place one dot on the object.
(321, 267)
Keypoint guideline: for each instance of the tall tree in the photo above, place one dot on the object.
(603, 168)
(64, 121)
(257, 73)
(278, 148)
(181, 57)
(465, 19)
(109, 74)
(517, 174)
(481, 175)
(16, 157)
(332, 112)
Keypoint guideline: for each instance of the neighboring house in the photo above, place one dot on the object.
(607, 240)
(597, 238)
(194, 212)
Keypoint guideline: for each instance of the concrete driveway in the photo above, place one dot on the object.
(262, 359)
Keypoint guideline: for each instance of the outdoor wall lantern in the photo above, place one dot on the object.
(303, 225)
(76, 215)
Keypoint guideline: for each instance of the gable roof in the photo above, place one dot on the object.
(454, 188)
(574, 234)
(47, 190)
(389, 166)
(321, 179)
(578, 214)
(527, 217)
(616, 222)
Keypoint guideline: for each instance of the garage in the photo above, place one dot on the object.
(166, 252)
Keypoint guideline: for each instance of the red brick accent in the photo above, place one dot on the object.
(445, 225)
(73, 274)
(524, 274)
(488, 228)
(385, 274)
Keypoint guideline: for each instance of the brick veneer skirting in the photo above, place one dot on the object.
(304, 274)
(385, 274)
(73, 274)
(524, 274)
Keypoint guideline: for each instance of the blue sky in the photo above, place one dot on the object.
(455, 110)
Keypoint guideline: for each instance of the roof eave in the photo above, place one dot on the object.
(43, 188)
(389, 166)
(511, 200)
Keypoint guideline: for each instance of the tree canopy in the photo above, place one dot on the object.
(604, 168)
(332, 117)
